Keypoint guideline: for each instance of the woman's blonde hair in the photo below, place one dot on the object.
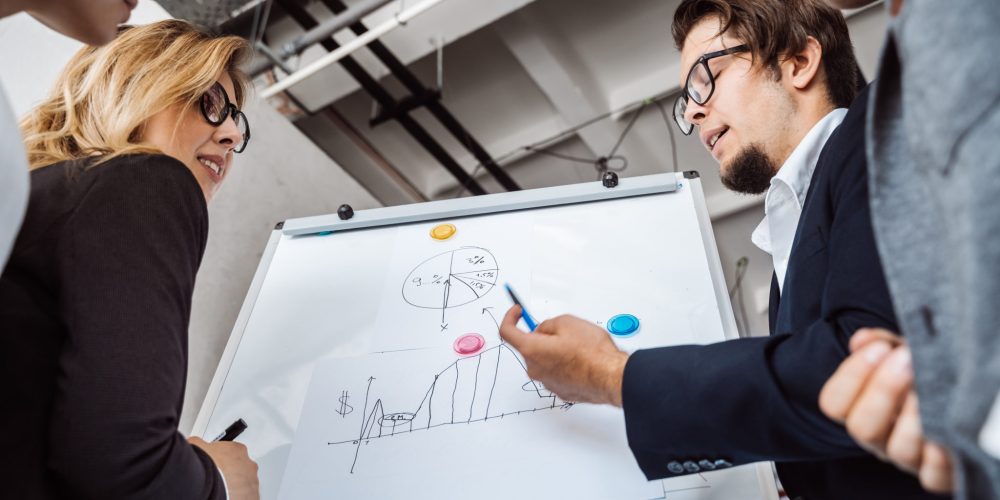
(105, 95)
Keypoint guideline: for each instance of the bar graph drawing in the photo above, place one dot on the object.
(489, 386)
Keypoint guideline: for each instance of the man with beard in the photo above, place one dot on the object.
(765, 82)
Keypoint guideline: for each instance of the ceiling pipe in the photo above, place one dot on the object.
(435, 106)
(330, 26)
(382, 96)
(272, 57)
(398, 20)
(321, 32)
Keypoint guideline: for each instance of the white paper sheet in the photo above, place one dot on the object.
(436, 291)
(431, 424)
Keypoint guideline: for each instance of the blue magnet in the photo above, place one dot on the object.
(623, 325)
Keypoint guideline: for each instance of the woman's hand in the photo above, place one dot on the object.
(236, 466)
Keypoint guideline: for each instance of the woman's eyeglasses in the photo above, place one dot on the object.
(216, 108)
(700, 85)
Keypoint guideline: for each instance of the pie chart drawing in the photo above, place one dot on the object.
(451, 279)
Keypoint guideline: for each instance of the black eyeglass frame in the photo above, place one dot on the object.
(228, 110)
(703, 60)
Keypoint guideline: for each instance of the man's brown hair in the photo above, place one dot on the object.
(776, 28)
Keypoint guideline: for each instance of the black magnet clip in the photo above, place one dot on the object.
(345, 212)
(610, 179)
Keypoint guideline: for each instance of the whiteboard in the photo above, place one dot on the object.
(340, 299)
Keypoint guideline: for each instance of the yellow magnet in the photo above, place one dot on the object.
(443, 231)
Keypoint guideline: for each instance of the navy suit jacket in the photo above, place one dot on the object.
(692, 408)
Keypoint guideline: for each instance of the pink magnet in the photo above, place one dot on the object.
(468, 344)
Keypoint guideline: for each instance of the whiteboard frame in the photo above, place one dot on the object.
(585, 192)
(233, 345)
(479, 205)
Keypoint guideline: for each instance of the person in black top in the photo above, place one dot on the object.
(96, 298)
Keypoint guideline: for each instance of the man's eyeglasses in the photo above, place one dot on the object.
(216, 109)
(700, 85)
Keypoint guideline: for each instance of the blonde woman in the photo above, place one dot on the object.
(133, 142)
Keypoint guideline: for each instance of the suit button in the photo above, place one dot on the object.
(675, 467)
(706, 465)
(691, 467)
(722, 464)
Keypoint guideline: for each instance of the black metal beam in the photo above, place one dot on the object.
(413, 84)
(405, 105)
(386, 100)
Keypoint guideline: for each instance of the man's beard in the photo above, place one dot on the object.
(750, 172)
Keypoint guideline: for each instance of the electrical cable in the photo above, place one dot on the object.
(743, 312)
(260, 16)
(670, 132)
(600, 164)
(263, 23)
(256, 21)
(472, 176)
(561, 156)
(628, 127)
(572, 130)
(742, 264)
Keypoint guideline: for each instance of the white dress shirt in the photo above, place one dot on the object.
(784, 199)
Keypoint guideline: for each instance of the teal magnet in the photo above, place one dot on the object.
(623, 325)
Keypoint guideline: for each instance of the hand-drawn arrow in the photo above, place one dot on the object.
(447, 291)
(487, 310)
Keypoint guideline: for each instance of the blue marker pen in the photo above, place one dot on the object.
(524, 312)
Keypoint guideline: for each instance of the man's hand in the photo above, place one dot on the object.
(573, 358)
(236, 466)
(872, 394)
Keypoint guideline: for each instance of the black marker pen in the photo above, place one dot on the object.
(233, 431)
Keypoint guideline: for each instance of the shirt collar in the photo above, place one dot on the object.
(795, 174)
(797, 171)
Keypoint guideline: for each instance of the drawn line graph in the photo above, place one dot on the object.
(490, 385)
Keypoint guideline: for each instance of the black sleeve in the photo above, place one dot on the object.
(756, 399)
(128, 258)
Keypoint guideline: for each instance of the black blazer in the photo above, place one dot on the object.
(693, 408)
(94, 309)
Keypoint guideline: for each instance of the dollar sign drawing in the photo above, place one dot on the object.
(344, 407)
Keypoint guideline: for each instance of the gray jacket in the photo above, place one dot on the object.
(934, 163)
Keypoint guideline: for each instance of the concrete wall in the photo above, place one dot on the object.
(281, 175)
